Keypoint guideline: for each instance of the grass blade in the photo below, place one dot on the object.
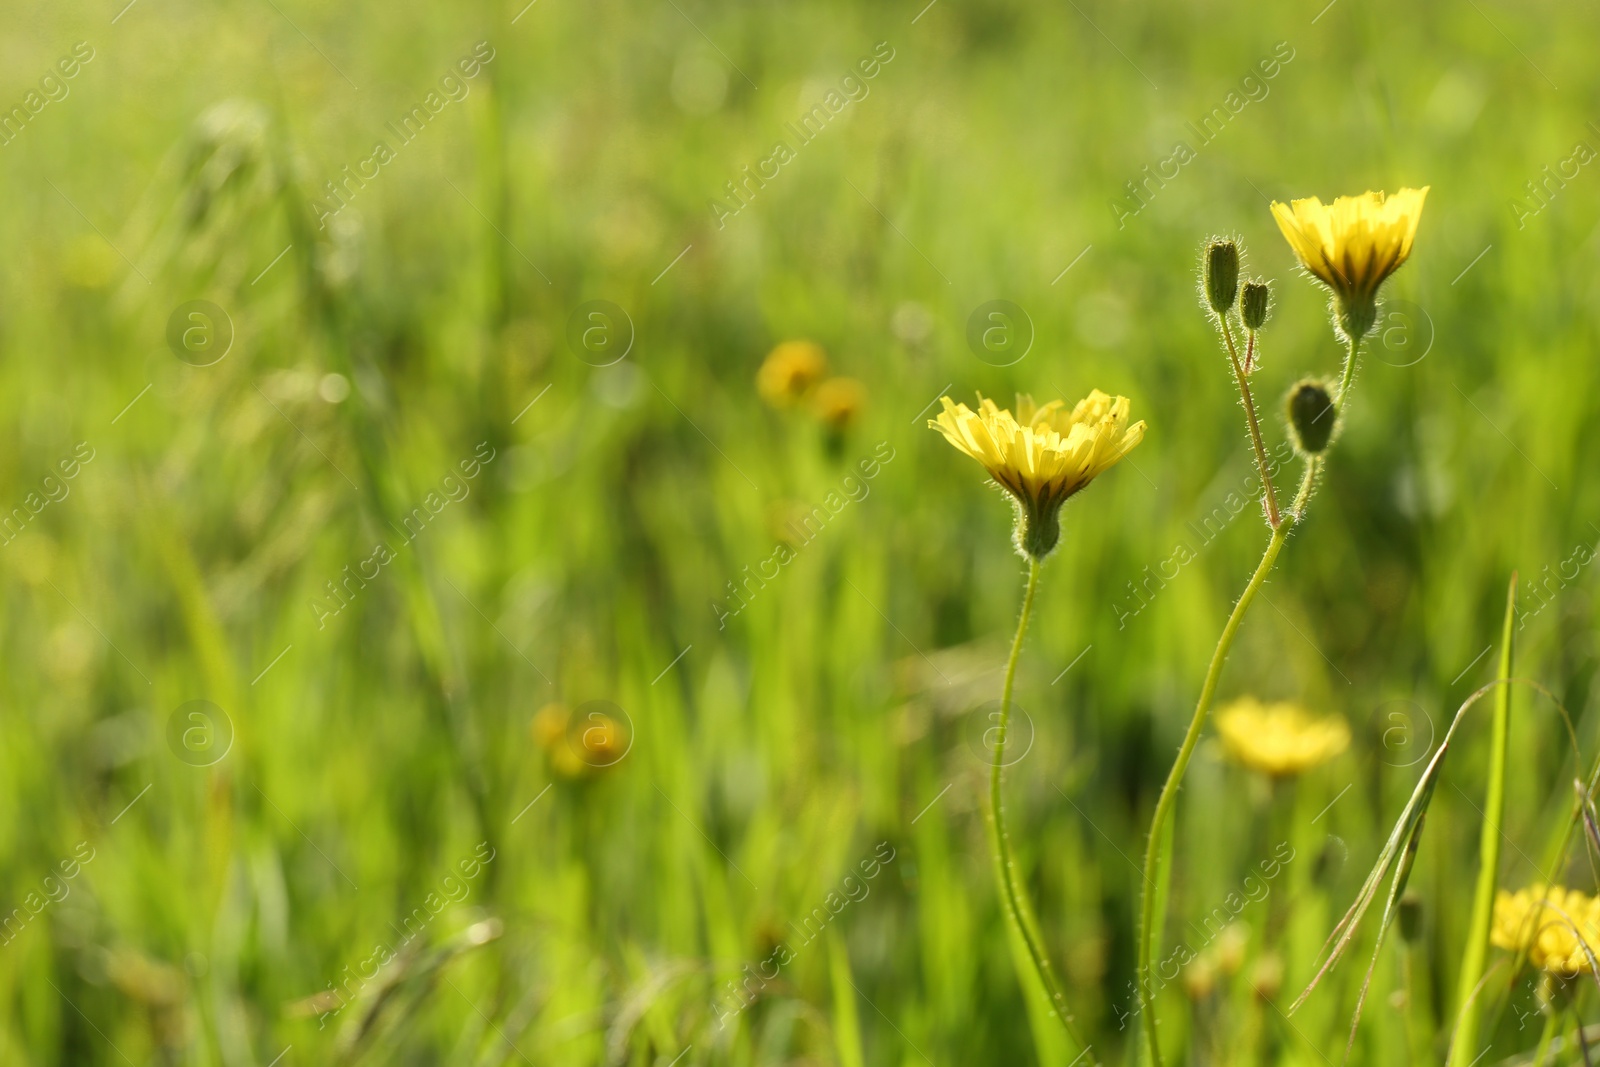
(846, 1023)
(1463, 1044)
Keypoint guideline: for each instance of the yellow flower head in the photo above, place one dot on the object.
(1043, 454)
(1281, 739)
(1541, 919)
(789, 372)
(838, 402)
(1352, 245)
(549, 726)
(578, 745)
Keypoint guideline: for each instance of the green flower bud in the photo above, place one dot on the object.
(1221, 275)
(1253, 303)
(1410, 917)
(1312, 416)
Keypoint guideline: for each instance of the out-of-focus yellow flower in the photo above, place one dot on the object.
(1266, 977)
(789, 372)
(1352, 245)
(601, 740)
(578, 745)
(838, 402)
(549, 726)
(1547, 922)
(1043, 454)
(1280, 739)
(1230, 947)
(1200, 977)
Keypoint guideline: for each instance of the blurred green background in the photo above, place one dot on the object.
(363, 847)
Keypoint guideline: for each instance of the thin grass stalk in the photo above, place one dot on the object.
(1494, 804)
(1552, 1023)
(1417, 1044)
(846, 1022)
(447, 683)
(1015, 897)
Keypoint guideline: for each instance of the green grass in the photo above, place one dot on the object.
(844, 708)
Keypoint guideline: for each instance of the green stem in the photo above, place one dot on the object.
(1157, 856)
(1267, 492)
(1158, 852)
(1014, 895)
(1349, 373)
(1552, 1023)
(1462, 1046)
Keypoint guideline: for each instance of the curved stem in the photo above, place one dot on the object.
(1349, 372)
(1268, 495)
(1156, 857)
(1308, 483)
(1005, 873)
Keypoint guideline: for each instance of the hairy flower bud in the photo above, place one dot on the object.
(1312, 415)
(1221, 275)
(1253, 304)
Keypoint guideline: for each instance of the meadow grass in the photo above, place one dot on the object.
(281, 901)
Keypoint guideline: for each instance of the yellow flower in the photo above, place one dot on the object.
(838, 402)
(578, 745)
(1352, 245)
(1043, 454)
(789, 372)
(1280, 739)
(602, 741)
(1541, 920)
(549, 725)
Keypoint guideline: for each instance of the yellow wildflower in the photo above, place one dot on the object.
(1352, 245)
(1548, 922)
(602, 740)
(789, 372)
(1043, 454)
(838, 402)
(1280, 739)
(549, 725)
(577, 744)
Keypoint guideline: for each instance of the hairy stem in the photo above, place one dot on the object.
(1158, 852)
(1157, 857)
(1349, 372)
(1268, 495)
(1005, 873)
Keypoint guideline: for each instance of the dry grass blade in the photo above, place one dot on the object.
(1577, 935)
(1404, 835)
(1591, 825)
(1410, 816)
(1402, 875)
(399, 989)
(1401, 846)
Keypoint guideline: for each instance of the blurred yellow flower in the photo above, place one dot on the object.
(838, 402)
(1043, 454)
(1280, 739)
(549, 726)
(1353, 244)
(789, 372)
(578, 746)
(602, 740)
(1541, 920)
